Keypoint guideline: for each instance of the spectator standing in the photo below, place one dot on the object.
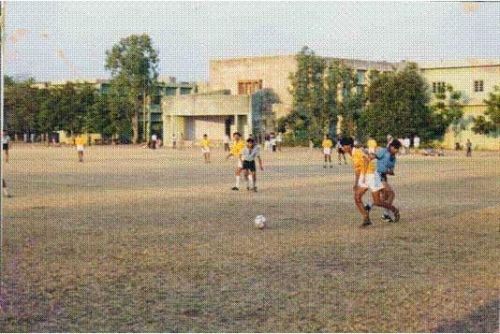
(469, 148)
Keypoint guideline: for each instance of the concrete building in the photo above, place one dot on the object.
(153, 121)
(248, 74)
(190, 117)
(240, 78)
(475, 79)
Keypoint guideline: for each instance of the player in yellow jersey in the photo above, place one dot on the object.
(327, 150)
(382, 161)
(372, 145)
(205, 148)
(80, 143)
(359, 160)
(236, 151)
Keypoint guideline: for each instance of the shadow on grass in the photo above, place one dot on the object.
(484, 320)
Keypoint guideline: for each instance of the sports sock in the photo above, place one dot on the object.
(250, 180)
(237, 181)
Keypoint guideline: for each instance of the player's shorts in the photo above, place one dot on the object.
(249, 165)
(205, 150)
(5, 146)
(371, 181)
(383, 177)
(340, 150)
(327, 151)
(79, 148)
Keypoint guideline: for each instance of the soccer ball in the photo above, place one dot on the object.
(260, 222)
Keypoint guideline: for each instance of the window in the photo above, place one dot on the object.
(438, 87)
(249, 87)
(479, 86)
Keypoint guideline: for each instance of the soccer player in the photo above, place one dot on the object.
(359, 158)
(248, 155)
(80, 143)
(5, 190)
(327, 150)
(236, 150)
(469, 148)
(5, 145)
(226, 141)
(372, 179)
(340, 150)
(205, 148)
(371, 144)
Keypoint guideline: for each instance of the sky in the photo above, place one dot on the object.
(68, 40)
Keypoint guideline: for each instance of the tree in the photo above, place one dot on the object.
(351, 105)
(491, 124)
(307, 89)
(398, 105)
(21, 106)
(133, 63)
(262, 109)
(448, 109)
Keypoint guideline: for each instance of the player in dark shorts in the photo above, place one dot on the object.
(5, 145)
(249, 154)
(344, 141)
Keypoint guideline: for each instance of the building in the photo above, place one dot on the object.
(153, 122)
(189, 117)
(248, 74)
(475, 79)
(232, 83)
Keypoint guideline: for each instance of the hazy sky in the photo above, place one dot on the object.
(65, 40)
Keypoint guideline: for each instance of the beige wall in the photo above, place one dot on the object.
(274, 71)
(194, 115)
(461, 75)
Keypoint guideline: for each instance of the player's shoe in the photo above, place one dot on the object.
(368, 207)
(235, 188)
(387, 218)
(397, 216)
(366, 223)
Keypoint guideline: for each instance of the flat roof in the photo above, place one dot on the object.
(471, 62)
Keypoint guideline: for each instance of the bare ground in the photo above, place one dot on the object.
(143, 240)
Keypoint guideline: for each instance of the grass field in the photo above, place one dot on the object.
(143, 240)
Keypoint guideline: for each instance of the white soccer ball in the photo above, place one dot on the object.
(260, 222)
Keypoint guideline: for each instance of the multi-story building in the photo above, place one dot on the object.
(474, 79)
(153, 122)
(238, 78)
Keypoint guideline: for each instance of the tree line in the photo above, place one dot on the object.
(82, 108)
(397, 102)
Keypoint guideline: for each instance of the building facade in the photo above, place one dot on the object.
(474, 79)
(189, 117)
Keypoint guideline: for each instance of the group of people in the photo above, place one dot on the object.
(371, 168)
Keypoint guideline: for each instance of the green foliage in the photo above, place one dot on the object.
(262, 103)
(21, 104)
(491, 124)
(133, 63)
(308, 94)
(448, 110)
(398, 105)
(317, 103)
